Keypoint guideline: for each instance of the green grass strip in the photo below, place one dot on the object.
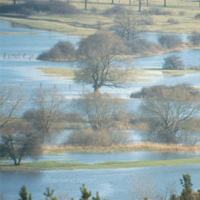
(62, 165)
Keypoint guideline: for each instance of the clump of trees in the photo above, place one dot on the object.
(194, 38)
(19, 140)
(143, 47)
(173, 62)
(33, 7)
(105, 115)
(115, 10)
(171, 115)
(170, 41)
(62, 51)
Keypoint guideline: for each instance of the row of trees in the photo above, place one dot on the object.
(170, 115)
(142, 192)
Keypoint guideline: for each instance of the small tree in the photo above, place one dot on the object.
(186, 193)
(24, 194)
(19, 140)
(85, 193)
(173, 62)
(49, 194)
(127, 25)
(194, 38)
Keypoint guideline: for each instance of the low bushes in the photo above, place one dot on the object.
(33, 7)
(88, 137)
(156, 11)
(170, 41)
(61, 51)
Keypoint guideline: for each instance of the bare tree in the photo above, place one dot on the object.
(19, 140)
(127, 25)
(97, 61)
(10, 102)
(170, 115)
(49, 107)
(102, 111)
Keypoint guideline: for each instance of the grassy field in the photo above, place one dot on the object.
(181, 11)
(60, 165)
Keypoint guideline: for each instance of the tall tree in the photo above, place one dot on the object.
(97, 61)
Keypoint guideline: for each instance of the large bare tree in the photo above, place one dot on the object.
(49, 107)
(98, 55)
(19, 140)
(171, 115)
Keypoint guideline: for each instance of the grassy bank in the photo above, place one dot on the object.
(60, 165)
(146, 146)
(143, 75)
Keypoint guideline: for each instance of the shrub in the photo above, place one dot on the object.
(173, 62)
(159, 90)
(194, 38)
(142, 46)
(147, 21)
(73, 117)
(156, 11)
(61, 51)
(88, 137)
(32, 7)
(172, 21)
(182, 13)
(197, 16)
(116, 10)
(170, 41)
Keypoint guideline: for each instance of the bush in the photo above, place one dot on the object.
(159, 90)
(32, 7)
(194, 38)
(73, 117)
(172, 21)
(147, 21)
(170, 41)
(61, 51)
(173, 62)
(142, 46)
(116, 10)
(156, 11)
(197, 16)
(88, 137)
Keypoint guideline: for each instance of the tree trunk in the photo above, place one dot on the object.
(129, 2)
(14, 2)
(165, 3)
(140, 5)
(112, 1)
(86, 4)
(147, 3)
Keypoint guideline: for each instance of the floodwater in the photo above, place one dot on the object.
(18, 66)
(114, 184)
